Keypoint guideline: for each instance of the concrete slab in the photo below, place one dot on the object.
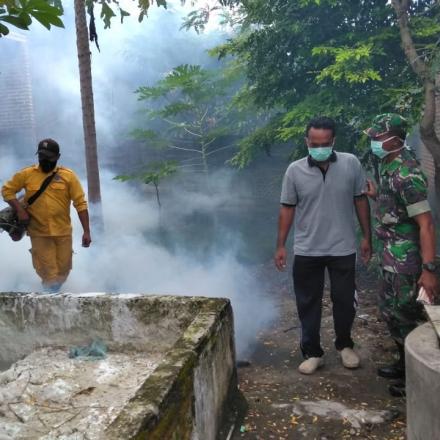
(433, 313)
(168, 373)
(422, 358)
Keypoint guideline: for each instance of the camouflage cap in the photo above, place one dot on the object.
(386, 122)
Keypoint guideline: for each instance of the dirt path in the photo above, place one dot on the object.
(333, 404)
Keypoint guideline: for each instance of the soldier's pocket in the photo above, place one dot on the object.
(408, 294)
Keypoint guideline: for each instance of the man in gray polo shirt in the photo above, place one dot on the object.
(321, 193)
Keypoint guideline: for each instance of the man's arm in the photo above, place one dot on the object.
(362, 207)
(80, 204)
(9, 193)
(285, 220)
(84, 219)
(22, 214)
(371, 190)
(428, 280)
(414, 194)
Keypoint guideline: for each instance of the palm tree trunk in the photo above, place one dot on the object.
(88, 108)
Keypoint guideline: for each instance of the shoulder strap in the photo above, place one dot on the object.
(43, 186)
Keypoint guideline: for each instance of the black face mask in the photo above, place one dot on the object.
(47, 165)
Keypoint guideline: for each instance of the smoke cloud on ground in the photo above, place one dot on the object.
(130, 258)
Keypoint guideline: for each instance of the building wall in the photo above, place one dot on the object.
(17, 123)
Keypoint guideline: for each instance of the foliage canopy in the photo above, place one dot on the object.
(327, 57)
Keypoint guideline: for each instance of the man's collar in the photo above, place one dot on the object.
(312, 162)
(37, 167)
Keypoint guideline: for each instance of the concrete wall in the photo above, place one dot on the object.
(422, 357)
(184, 397)
(212, 379)
(30, 321)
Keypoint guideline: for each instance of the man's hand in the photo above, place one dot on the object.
(429, 281)
(280, 258)
(86, 239)
(365, 250)
(23, 216)
(371, 190)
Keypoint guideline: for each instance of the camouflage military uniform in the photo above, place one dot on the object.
(402, 194)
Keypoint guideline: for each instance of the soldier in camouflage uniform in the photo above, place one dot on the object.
(406, 228)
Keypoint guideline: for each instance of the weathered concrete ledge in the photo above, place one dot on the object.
(184, 396)
(433, 313)
(422, 357)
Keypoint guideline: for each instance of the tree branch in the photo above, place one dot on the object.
(428, 118)
(179, 125)
(190, 165)
(190, 132)
(420, 68)
(204, 114)
(207, 144)
(219, 149)
(427, 124)
(184, 149)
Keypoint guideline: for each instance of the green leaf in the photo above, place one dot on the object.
(107, 14)
(145, 134)
(25, 18)
(56, 21)
(15, 21)
(123, 14)
(176, 108)
(154, 173)
(24, 3)
(42, 18)
(3, 30)
(143, 5)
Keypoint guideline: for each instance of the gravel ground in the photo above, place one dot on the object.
(334, 403)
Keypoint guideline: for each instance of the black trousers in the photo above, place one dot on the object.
(308, 282)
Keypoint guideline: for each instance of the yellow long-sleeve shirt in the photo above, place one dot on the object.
(50, 213)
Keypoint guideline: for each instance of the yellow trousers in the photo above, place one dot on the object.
(52, 258)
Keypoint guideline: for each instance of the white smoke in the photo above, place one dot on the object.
(123, 260)
(131, 256)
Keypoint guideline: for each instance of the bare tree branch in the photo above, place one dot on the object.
(428, 119)
(427, 130)
(219, 149)
(420, 68)
(204, 114)
(184, 149)
(179, 125)
(209, 142)
(190, 132)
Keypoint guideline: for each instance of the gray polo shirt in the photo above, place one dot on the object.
(324, 214)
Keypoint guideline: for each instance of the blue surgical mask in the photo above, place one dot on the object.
(320, 154)
(377, 148)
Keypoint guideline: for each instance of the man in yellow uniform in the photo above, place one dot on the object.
(48, 218)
